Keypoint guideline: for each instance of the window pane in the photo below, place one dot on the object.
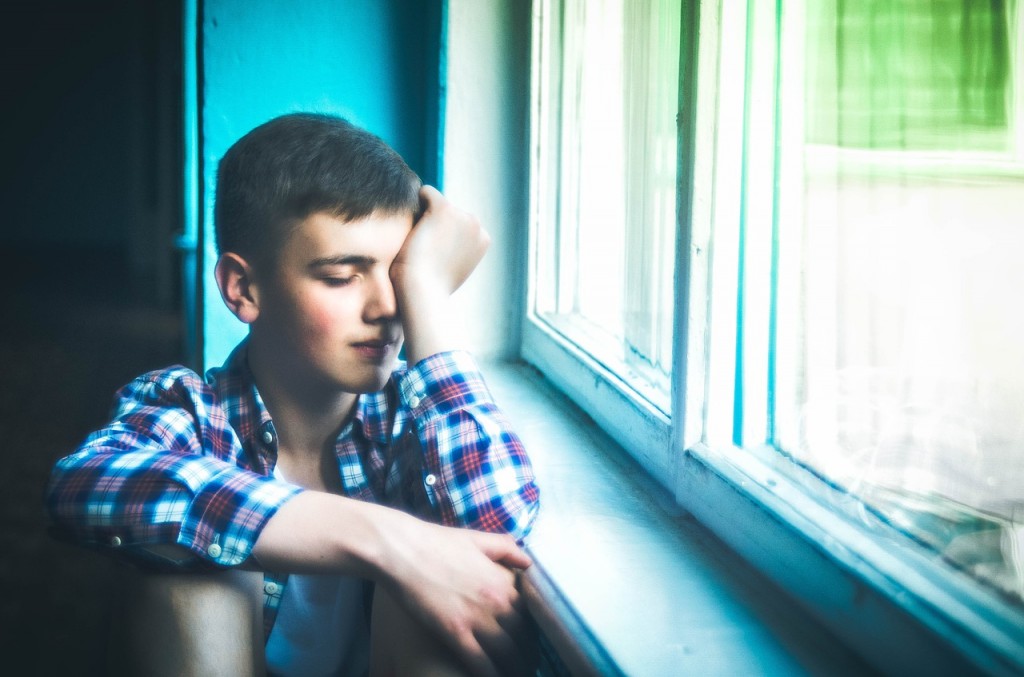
(607, 96)
(899, 370)
(913, 74)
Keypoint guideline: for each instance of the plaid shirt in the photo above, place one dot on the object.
(182, 476)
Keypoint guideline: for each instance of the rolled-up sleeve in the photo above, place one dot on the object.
(161, 482)
(476, 471)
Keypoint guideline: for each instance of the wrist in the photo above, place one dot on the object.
(430, 326)
(386, 555)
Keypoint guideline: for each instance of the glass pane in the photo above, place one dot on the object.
(910, 74)
(899, 371)
(605, 237)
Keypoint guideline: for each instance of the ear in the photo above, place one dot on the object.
(237, 286)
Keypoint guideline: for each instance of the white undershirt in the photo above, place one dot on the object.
(321, 627)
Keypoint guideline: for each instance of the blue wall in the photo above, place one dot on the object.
(374, 61)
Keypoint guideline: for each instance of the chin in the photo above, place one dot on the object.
(371, 383)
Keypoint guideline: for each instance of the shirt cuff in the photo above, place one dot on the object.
(224, 520)
(442, 383)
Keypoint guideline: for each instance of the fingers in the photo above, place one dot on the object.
(516, 558)
(476, 659)
(442, 249)
(467, 594)
(508, 647)
(401, 644)
(504, 550)
(503, 652)
(510, 641)
(431, 201)
(429, 196)
(518, 624)
(516, 651)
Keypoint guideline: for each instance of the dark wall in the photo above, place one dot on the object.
(90, 189)
(90, 134)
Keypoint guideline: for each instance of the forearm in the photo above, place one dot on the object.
(317, 532)
(431, 322)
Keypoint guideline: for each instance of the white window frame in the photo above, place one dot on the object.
(887, 596)
(617, 405)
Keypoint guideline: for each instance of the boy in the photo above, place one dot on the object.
(306, 451)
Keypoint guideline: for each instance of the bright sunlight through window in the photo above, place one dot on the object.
(859, 196)
(606, 100)
(880, 223)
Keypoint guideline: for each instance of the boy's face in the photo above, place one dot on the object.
(327, 309)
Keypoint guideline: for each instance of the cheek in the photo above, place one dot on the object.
(325, 316)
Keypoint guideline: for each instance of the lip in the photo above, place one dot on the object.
(375, 350)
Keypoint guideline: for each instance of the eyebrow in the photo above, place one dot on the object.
(343, 260)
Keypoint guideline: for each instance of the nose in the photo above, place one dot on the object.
(380, 304)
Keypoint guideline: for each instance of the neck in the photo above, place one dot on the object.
(307, 417)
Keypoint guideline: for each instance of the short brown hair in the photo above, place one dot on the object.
(299, 164)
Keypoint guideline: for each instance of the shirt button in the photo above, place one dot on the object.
(214, 550)
(268, 437)
(414, 402)
(116, 541)
(430, 479)
(270, 587)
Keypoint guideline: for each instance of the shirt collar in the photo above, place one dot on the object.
(249, 417)
(245, 410)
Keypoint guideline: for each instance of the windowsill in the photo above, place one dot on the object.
(655, 590)
(645, 588)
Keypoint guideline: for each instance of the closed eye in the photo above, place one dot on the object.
(338, 281)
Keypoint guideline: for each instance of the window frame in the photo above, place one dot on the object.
(888, 597)
(618, 406)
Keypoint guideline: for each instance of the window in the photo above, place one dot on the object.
(604, 260)
(841, 302)
(879, 272)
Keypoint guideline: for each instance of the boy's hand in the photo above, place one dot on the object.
(442, 249)
(459, 583)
